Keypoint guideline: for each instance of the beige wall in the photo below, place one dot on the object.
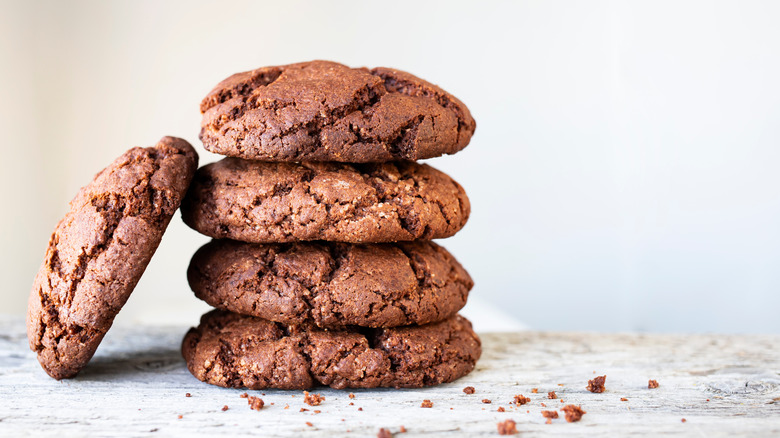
(623, 175)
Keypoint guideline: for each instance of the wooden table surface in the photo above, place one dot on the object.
(136, 385)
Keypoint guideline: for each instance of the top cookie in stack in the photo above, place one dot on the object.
(324, 111)
(322, 152)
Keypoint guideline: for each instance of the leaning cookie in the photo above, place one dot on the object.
(325, 111)
(331, 285)
(99, 250)
(237, 351)
(267, 202)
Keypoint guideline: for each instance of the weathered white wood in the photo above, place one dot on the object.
(137, 382)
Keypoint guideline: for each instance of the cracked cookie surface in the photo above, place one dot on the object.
(325, 111)
(330, 284)
(99, 250)
(235, 351)
(276, 202)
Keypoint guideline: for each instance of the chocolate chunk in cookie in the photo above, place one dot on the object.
(232, 350)
(325, 111)
(267, 202)
(99, 250)
(331, 284)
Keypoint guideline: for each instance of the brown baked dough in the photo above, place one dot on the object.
(325, 111)
(99, 250)
(267, 202)
(234, 351)
(331, 285)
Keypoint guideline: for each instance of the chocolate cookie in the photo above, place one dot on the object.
(266, 202)
(237, 351)
(99, 250)
(324, 111)
(331, 285)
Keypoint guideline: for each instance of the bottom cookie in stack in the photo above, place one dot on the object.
(232, 350)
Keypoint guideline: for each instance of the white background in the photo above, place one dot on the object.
(623, 176)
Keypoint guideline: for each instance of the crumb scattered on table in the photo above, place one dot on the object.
(188, 395)
(486, 401)
(501, 409)
(255, 403)
(469, 390)
(426, 404)
(573, 413)
(652, 384)
(552, 395)
(225, 408)
(597, 384)
(623, 399)
(535, 390)
(521, 400)
(684, 420)
(308, 423)
(351, 395)
(312, 399)
(507, 427)
(384, 433)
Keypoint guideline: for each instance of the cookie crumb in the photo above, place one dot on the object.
(188, 395)
(597, 384)
(426, 404)
(552, 395)
(508, 427)
(402, 429)
(180, 417)
(225, 408)
(684, 420)
(487, 401)
(623, 399)
(312, 399)
(501, 409)
(652, 384)
(560, 384)
(255, 403)
(351, 395)
(287, 406)
(573, 413)
(351, 404)
(317, 411)
(550, 414)
(535, 390)
(244, 395)
(469, 390)
(308, 423)
(360, 409)
(521, 400)
(384, 433)
(544, 405)
(303, 410)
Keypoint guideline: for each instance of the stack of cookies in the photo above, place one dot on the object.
(322, 269)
